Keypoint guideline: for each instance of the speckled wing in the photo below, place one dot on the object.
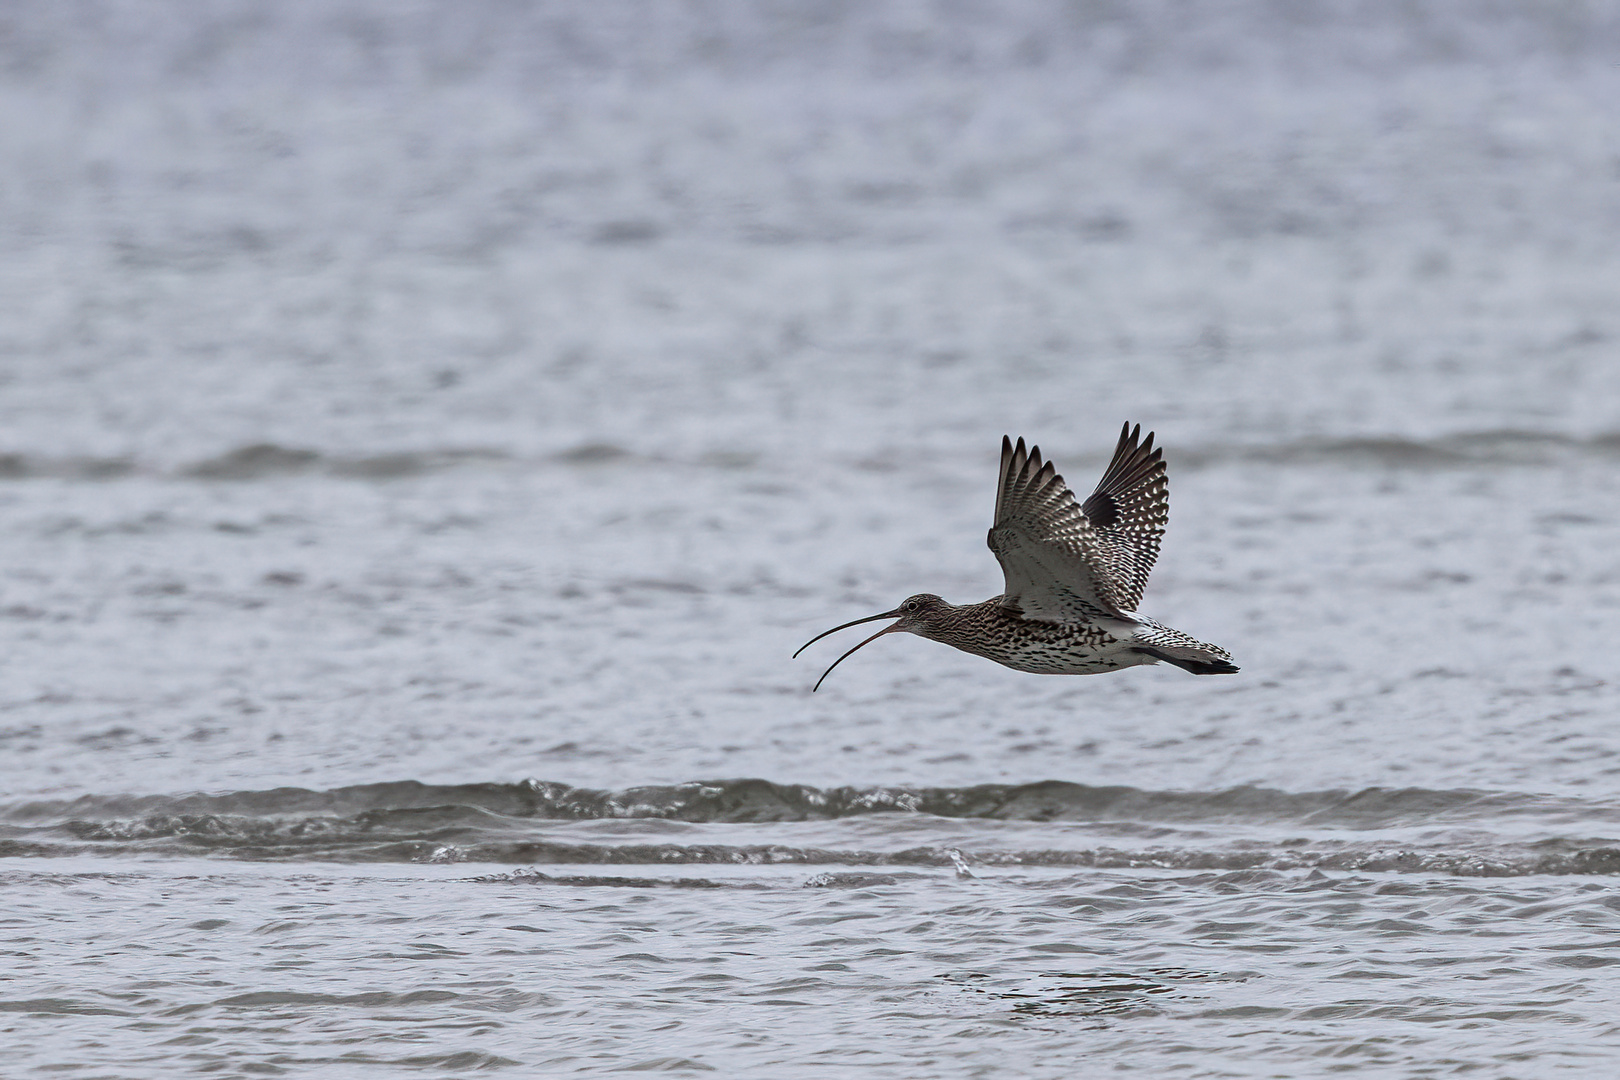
(1129, 510)
(1065, 562)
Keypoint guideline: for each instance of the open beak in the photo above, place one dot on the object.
(895, 614)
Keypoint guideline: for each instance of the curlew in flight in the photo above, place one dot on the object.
(1074, 572)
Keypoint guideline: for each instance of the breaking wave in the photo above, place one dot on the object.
(756, 800)
(1059, 824)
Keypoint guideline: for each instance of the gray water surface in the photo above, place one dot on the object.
(427, 432)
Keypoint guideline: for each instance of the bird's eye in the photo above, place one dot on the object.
(912, 605)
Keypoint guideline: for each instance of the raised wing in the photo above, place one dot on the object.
(1129, 510)
(1065, 562)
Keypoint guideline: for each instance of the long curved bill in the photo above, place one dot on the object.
(895, 614)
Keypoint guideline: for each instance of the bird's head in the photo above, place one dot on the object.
(920, 614)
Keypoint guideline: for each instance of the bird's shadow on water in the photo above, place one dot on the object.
(1090, 994)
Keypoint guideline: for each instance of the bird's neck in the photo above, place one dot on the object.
(965, 624)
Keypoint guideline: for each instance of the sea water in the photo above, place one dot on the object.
(427, 431)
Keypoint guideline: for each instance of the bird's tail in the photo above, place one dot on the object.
(1183, 650)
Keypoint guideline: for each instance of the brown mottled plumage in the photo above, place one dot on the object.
(1074, 574)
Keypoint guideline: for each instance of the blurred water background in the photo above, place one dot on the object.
(426, 430)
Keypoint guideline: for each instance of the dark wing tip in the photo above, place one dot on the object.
(1010, 456)
(1134, 460)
